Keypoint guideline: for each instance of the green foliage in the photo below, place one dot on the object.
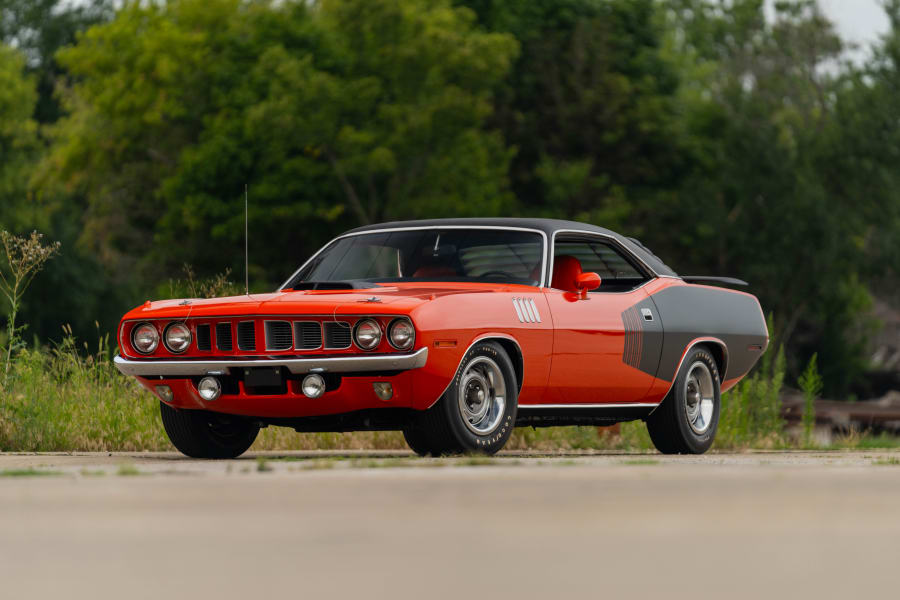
(811, 385)
(25, 257)
(751, 412)
(336, 113)
(18, 135)
(38, 28)
(731, 142)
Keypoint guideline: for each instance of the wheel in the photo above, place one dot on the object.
(686, 421)
(201, 434)
(420, 443)
(477, 413)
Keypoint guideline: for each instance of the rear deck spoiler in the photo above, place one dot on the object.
(714, 280)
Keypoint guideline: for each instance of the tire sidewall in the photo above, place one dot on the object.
(698, 443)
(468, 440)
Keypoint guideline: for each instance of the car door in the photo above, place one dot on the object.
(606, 346)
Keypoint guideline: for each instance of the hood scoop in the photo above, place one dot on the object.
(334, 285)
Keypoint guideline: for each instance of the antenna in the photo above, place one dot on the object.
(246, 242)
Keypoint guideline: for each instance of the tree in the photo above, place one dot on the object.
(590, 106)
(38, 28)
(344, 111)
(18, 135)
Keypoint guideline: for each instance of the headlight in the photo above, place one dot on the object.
(367, 334)
(401, 334)
(177, 338)
(145, 338)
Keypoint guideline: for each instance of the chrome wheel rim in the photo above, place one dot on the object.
(482, 396)
(699, 397)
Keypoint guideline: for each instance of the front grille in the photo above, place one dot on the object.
(224, 341)
(278, 335)
(246, 335)
(204, 340)
(307, 335)
(337, 335)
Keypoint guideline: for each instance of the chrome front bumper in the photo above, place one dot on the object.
(298, 366)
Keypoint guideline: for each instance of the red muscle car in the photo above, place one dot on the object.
(454, 331)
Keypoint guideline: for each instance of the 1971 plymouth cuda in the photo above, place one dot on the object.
(454, 331)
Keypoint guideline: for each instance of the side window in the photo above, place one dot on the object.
(617, 273)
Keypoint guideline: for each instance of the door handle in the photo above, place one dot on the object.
(648, 314)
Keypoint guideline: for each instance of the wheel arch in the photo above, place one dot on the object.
(508, 343)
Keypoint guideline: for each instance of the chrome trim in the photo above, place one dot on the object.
(230, 335)
(165, 338)
(702, 340)
(325, 335)
(237, 335)
(159, 338)
(356, 327)
(533, 307)
(321, 334)
(526, 310)
(632, 405)
(266, 335)
(515, 303)
(617, 243)
(391, 326)
(298, 366)
(544, 258)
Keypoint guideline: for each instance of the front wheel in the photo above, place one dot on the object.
(477, 413)
(201, 434)
(687, 419)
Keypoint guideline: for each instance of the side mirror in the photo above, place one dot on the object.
(586, 282)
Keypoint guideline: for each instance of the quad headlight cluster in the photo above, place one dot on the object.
(367, 334)
(176, 338)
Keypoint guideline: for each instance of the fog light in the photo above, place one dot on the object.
(209, 389)
(313, 386)
(384, 391)
(165, 393)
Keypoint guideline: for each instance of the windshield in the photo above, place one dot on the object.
(485, 255)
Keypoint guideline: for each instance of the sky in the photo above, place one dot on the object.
(858, 21)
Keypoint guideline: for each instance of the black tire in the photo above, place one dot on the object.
(420, 443)
(670, 425)
(202, 434)
(443, 429)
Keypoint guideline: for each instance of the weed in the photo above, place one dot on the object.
(891, 460)
(262, 465)
(640, 461)
(128, 470)
(92, 473)
(29, 473)
(811, 384)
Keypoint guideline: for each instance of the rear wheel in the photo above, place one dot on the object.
(687, 419)
(201, 434)
(477, 413)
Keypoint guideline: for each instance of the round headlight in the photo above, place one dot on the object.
(209, 389)
(367, 334)
(145, 338)
(177, 338)
(401, 334)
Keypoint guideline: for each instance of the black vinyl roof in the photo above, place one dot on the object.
(548, 226)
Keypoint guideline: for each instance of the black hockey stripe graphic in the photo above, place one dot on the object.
(634, 337)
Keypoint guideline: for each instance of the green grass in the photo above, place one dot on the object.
(29, 473)
(128, 470)
(890, 461)
(640, 461)
(64, 399)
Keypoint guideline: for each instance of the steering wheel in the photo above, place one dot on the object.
(503, 274)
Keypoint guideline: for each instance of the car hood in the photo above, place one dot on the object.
(393, 299)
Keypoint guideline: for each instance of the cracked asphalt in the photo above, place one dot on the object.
(388, 525)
